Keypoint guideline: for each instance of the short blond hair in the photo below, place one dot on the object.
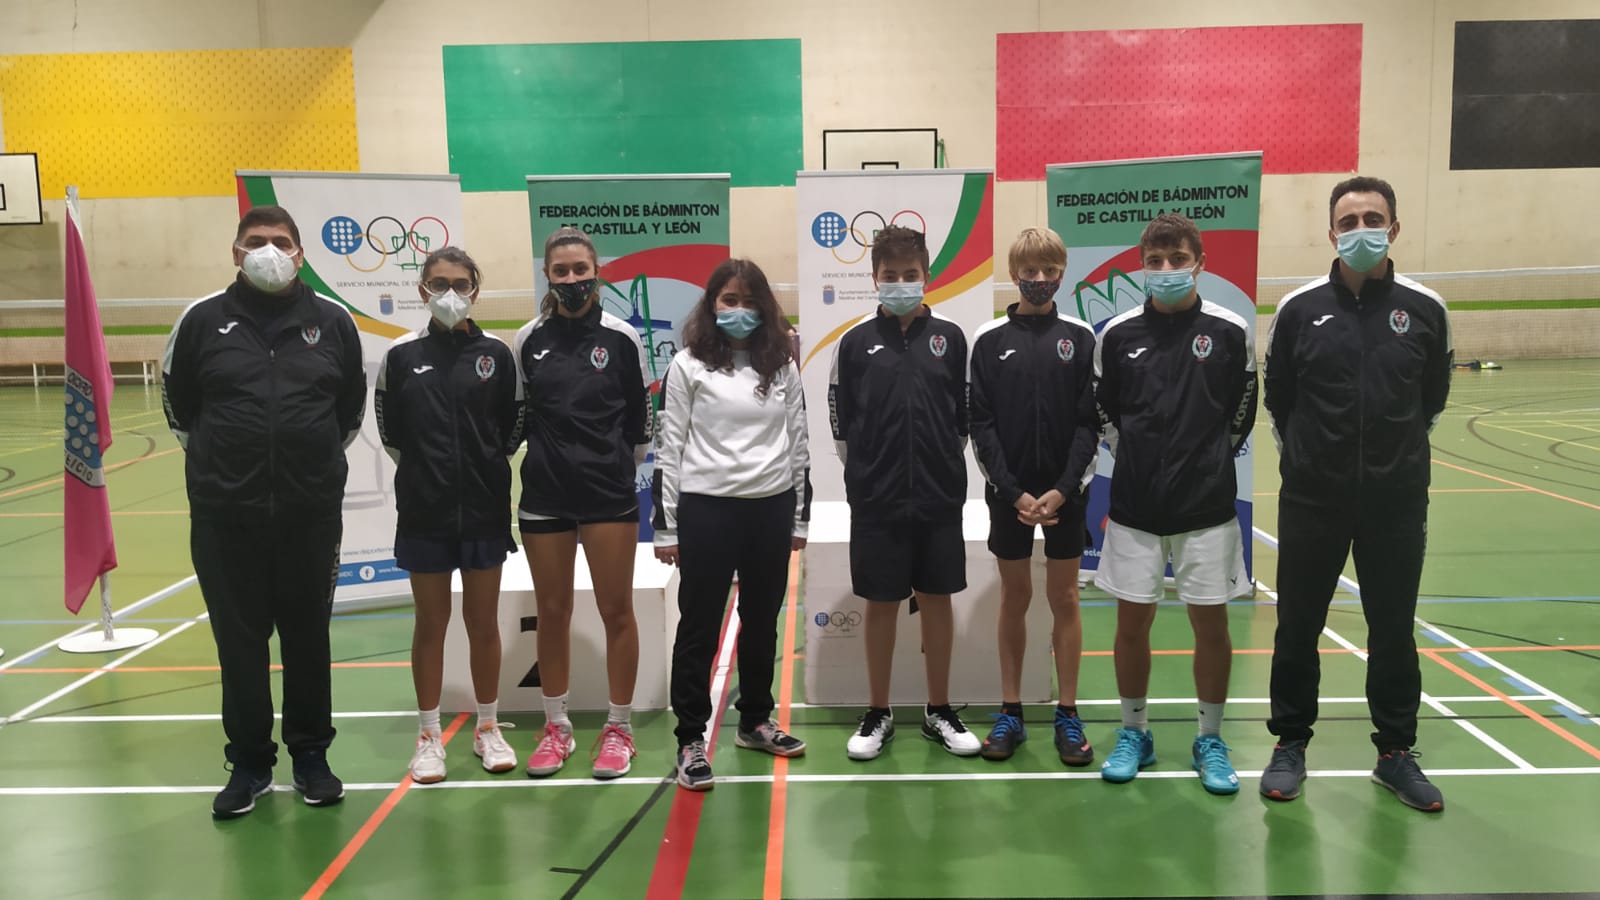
(1039, 246)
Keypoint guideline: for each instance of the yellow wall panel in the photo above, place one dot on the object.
(178, 124)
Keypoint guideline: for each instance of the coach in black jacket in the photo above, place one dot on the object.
(1358, 369)
(264, 389)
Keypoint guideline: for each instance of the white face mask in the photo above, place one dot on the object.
(449, 308)
(268, 268)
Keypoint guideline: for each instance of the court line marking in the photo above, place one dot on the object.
(111, 666)
(397, 793)
(1519, 484)
(1458, 644)
(176, 587)
(17, 492)
(114, 512)
(1568, 736)
(157, 416)
(772, 881)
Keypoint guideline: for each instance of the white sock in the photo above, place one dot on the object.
(619, 714)
(555, 711)
(488, 713)
(429, 719)
(1136, 713)
(1210, 718)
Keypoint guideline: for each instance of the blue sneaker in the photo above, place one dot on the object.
(1134, 751)
(1007, 733)
(1211, 761)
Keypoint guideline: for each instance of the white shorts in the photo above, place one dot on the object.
(1208, 565)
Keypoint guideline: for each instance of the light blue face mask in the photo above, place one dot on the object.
(1169, 287)
(1364, 248)
(900, 297)
(738, 323)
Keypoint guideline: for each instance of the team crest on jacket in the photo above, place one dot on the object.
(1399, 321)
(311, 335)
(1066, 350)
(938, 344)
(600, 357)
(485, 367)
(1202, 346)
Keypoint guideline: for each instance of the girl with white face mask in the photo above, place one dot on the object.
(449, 408)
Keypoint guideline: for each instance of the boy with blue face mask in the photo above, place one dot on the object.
(1358, 369)
(1177, 395)
(897, 402)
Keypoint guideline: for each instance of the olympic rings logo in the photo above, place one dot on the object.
(386, 236)
(833, 231)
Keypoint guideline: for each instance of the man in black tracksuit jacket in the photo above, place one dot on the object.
(263, 387)
(1357, 372)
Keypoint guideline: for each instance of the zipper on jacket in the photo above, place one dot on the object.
(455, 436)
(272, 431)
(1361, 394)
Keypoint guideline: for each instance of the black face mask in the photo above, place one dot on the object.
(1038, 292)
(574, 294)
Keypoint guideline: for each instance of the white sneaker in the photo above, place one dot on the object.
(877, 729)
(427, 763)
(943, 726)
(491, 747)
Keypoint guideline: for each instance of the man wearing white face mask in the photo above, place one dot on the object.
(263, 386)
(1357, 373)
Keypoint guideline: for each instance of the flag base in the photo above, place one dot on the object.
(96, 642)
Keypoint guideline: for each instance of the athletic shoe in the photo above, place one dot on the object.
(317, 784)
(1282, 777)
(694, 770)
(1211, 761)
(491, 747)
(1007, 733)
(551, 754)
(1134, 750)
(1398, 771)
(615, 755)
(1072, 745)
(941, 725)
(427, 763)
(877, 729)
(238, 797)
(769, 738)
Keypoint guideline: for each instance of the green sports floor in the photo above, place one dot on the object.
(106, 774)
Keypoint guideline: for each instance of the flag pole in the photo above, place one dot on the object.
(105, 607)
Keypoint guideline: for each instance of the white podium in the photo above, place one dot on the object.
(655, 605)
(836, 666)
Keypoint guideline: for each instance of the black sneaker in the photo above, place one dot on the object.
(1282, 777)
(1007, 733)
(238, 797)
(694, 770)
(1072, 745)
(1398, 771)
(315, 781)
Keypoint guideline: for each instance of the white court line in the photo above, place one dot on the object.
(719, 678)
(108, 667)
(841, 778)
(1190, 701)
(151, 600)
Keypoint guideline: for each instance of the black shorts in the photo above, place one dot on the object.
(557, 526)
(889, 560)
(1010, 539)
(434, 556)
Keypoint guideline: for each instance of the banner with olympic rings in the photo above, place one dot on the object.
(839, 214)
(365, 238)
(1101, 208)
(658, 238)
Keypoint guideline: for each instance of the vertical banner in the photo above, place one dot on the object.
(365, 239)
(91, 548)
(839, 213)
(658, 237)
(1100, 210)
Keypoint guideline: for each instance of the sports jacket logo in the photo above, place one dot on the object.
(1321, 319)
(938, 345)
(1202, 346)
(1007, 353)
(874, 349)
(600, 357)
(1066, 350)
(1136, 354)
(228, 327)
(420, 369)
(1399, 321)
(540, 354)
(311, 334)
(485, 367)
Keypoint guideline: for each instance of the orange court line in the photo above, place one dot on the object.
(58, 670)
(340, 862)
(1517, 484)
(1490, 689)
(1516, 490)
(772, 884)
(109, 469)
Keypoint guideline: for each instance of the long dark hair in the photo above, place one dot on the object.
(769, 346)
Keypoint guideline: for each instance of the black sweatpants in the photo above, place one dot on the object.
(257, 576)
(1388, 539)
(718, 536)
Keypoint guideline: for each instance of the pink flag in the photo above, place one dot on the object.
(90, 547)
